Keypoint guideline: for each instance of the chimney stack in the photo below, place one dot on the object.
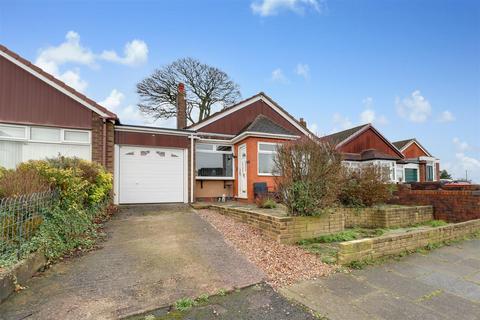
(303, 123)
(181, 107)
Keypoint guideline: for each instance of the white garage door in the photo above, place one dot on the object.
(151, 175)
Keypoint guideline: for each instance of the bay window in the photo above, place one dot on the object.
(266, 158)
(214, 160)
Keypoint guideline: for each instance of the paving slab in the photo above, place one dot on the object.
(153, 256)
(442, 285)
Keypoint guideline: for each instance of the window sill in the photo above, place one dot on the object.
(214, 178)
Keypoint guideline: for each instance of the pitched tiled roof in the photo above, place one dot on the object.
(47, 75)
(402, 143)
(263, 124)
(338, 137)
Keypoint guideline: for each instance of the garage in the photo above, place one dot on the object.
(151, 175)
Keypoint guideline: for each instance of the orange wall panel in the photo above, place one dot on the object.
(252, 165)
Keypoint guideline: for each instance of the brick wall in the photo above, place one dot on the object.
(98, 141)
(286, 229)
(386, 217)
(394, 244)
(448, 205)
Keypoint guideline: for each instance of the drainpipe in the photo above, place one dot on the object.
(191, 167)
(104, 147)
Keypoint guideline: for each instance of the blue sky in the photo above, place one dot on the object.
(411, 67)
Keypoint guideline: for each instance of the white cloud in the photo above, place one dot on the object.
(72, 51)
(369, 115)
(303, 70)
(464, 162)
(415, 108)
(340, 122)
(73, 79)
(266, 8)
(461, 146)
(114, 99)
(51, 58)
(128, 114)
(135, 53)
(446, 116)
(278, 76)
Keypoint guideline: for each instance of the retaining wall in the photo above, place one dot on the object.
(386, 217)
(287, 229)
(363, 249)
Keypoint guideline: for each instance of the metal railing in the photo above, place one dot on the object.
(21, 216)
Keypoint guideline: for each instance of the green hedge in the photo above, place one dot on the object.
(84, 194)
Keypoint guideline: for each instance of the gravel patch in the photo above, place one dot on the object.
(283, 264)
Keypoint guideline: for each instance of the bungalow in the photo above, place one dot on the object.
(363, 145)
(224, 156)
(418, 164)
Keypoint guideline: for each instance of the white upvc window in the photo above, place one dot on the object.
(45, 134)
(20, 143)
(267, 153)
(13, 132)
(76, 136)
(214, 161)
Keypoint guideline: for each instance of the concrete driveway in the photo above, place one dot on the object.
(153, 256)
(444, 284)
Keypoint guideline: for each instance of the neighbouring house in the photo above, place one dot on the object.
(418, 164)
(363, 145)
(224, 155)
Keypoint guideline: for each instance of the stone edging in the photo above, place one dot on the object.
(20, 273)
(372, 248)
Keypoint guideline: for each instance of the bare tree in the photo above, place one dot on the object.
(205, 87)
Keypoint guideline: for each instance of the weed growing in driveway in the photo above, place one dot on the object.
(222, 292)
(202, 298)
(430, 295)
(184, 304)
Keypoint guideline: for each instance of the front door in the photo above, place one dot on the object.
(242, 171)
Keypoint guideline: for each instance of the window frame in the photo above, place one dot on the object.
(26, 130)
(62, 140)
(265, 152)
(214, 151)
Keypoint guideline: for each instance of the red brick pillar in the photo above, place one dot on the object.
(423, 171)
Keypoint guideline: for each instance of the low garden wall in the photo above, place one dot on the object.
(449, 205)
(18, 274)
(287, 229)
(372, 248)
(386, 217)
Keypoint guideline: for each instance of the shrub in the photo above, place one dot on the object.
(309, 176)
(265, 202)
(365, 187)
(21, 181)
(84, 191)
